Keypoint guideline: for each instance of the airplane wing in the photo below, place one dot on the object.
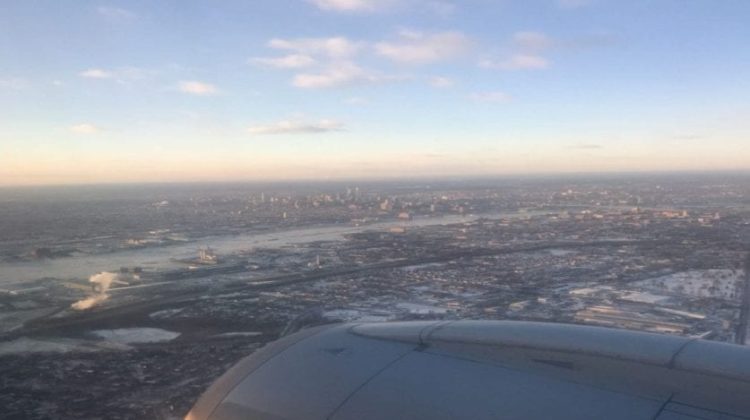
(482, 370)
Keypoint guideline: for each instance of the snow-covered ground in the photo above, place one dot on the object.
(643, 297)
(25, 345)
(136, 335)
(421, 309)
(350, 315)
(716, 283)
(166, 313)
(590, 291)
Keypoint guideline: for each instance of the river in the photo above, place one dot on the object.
(161, 258)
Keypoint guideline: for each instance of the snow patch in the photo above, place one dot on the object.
(136, 335)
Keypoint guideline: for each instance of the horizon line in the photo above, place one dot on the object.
(410, 178)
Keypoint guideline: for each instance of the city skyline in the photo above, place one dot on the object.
(97, 91)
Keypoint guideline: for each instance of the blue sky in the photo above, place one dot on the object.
(94, 91)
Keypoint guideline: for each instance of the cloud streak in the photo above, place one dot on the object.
(295, 127)
(356, 101)
(120, 75)
(194, 87)
(516, 62)
(438, 7)
(96, 74)
(291, 61)
(13, 83)
(528, 46)
(532, 41)
(424, 48)
(84, 128)
(336, 47)
(441, 82)
(331, 62)
(339, 75)
(349, 5)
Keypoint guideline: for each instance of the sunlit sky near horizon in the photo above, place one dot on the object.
(131, 91)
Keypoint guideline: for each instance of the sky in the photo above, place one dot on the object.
(233, 90)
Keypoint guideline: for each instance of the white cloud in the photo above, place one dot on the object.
(517, 62)
(336, 47)
(499, 97)
(532, 41)
(13, 83)
(96, 74)
(441, 82)
(526, 61)
(291, 61)
(439, 7)
(420, 48)
(194, 87)
(349, 5)
(357, 101)
(331, 59)
(528, 46)
(120, 75)
(337, 75)
(296, 127)
(84, 128)
(115, 13)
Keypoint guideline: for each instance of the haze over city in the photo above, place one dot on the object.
(374, 209)
(106, 91)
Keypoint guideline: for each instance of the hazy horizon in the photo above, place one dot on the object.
(446, 178)
(135, 92)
